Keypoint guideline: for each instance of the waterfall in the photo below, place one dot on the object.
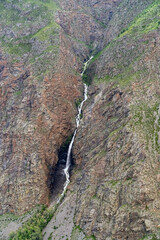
(78, 118)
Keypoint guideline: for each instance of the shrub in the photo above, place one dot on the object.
(32, 229)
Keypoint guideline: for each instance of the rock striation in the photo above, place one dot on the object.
(117, 145)
(37, 112)
(116, 152)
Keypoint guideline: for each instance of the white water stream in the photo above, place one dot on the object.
(78, 118)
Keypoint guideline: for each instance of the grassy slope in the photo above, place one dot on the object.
(145, 22)
(32, 33)
(143, 113)
(138, 35)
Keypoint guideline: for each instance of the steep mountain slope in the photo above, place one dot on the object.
(38, 69)
(114, 191)
(117, 148)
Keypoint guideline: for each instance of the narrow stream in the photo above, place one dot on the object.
(78, 118)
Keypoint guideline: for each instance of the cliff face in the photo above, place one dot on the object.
(38, 73)
(42, 51)
(116, 152)
(117, 146)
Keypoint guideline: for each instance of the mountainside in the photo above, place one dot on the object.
(115, 181)
(117, 148)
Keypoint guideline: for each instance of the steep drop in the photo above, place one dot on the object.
(78, 118)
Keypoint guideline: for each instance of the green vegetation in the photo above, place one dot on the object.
(64, 146)
(127, 73)
(16, 48)
(32, 229)
(29, 23)
(122, 79)
(44, 33)
(113, 182)
(144, 118)
(55, 227)
(81, 115)
(124, 206)
(145, 22)
(51, 5)
(94, 196)
(5, 219)
(155, 236)
(78, 231)
(102, 24)
(115, 132)
(9, 15)
(18, 93)
(101, 52)
(87, 79)
(92, 237)
(50, 237)
(90, 46)
(78, 102)
(36, 9)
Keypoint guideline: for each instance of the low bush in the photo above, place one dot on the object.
(32, 229)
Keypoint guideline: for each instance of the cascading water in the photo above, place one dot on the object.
(68, 162)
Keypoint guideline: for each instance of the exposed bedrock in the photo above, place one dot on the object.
(36, 118)
(117, 145)
(116, 155)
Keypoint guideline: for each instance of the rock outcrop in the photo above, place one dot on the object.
(117, 146)
(116, 152)
(37, 115)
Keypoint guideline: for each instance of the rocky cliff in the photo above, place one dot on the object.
(115, 183)
(38, 73)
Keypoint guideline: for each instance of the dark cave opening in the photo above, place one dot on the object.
(57, 177)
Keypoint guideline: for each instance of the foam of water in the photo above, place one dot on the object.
(78, 118)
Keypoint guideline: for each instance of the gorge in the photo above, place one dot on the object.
(115, 182)
(78, 118)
